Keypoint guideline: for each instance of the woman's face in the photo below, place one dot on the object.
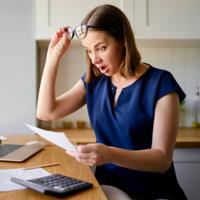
(104, 51)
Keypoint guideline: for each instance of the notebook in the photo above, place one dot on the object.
(19, 152)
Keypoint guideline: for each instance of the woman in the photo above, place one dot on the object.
(133, 108)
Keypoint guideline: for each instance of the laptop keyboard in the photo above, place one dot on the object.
(6, 149)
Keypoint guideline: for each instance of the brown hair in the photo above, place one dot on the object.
(114, 19)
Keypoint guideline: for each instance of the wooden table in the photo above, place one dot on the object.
(69, 166)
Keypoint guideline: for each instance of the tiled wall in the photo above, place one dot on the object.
(182, 59)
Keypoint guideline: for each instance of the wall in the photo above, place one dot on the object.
(17, 65)
(181, 58)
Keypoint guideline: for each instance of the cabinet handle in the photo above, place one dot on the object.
(147, 12)
(49, 13)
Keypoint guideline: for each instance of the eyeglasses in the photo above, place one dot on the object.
(81, 30)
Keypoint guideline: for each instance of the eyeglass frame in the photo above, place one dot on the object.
(74, 31)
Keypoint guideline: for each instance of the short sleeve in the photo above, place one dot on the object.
(83, 78)
(168, 84)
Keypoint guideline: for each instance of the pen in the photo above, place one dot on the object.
(44, 165)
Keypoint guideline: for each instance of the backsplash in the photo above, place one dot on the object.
(181, 59)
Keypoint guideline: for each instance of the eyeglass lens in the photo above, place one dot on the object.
(81, 31)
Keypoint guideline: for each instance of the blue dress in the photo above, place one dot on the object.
(129, 125)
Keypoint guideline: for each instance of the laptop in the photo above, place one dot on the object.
(19, 152)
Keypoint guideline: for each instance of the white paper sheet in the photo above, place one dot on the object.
(2, 137)
(58, 138)
(5, 177)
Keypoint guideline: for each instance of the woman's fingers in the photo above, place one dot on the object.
(86, 148)
(90, 154)
(60, 34)
(86, 158)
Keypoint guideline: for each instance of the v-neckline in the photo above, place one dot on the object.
(133, 82)
(123, 90)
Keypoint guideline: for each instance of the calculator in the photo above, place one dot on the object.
(55, 184)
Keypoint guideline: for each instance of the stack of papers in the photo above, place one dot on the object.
(5, 177)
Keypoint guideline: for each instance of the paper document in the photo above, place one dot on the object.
(5, 177)
(2, 137)
(58, 138)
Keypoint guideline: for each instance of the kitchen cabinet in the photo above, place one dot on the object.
(187, 165)
(172, 19)
(52, 14)
(150, 19)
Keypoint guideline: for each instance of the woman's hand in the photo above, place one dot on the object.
(91, 154)
(59, 44)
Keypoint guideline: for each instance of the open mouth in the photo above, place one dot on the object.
(103, 69)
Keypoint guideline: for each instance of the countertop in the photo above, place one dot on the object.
(187, 137)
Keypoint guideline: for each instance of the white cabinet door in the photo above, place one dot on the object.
(171, 19)
(52, 14)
